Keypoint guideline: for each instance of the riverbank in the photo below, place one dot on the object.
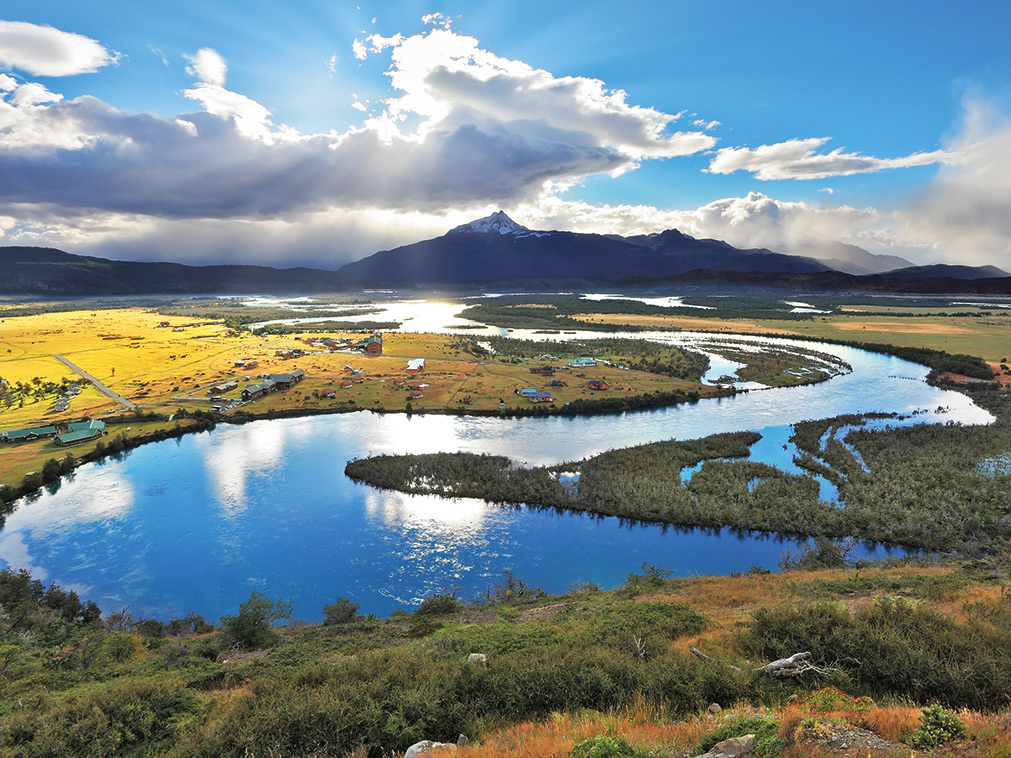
(33, 465)
(921, 487)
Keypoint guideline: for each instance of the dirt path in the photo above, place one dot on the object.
(98, 385)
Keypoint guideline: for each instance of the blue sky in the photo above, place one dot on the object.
(318, 133)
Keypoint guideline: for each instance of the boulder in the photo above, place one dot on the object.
(479, 658)
(732, 748)
(419, 749)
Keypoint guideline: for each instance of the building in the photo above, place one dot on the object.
(539, 397)
(415, 365)
(287, 381)
(373, 345)
(582, 362)
(254, 391)
(597, 384)
(222, 387)
(29, 434)
(80, 431)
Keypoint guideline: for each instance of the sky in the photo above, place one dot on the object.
(318, 132)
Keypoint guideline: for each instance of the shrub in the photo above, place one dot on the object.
(252, 628)
(939, 726)
(439, 604)
(603, 747)
(895, 647)
(341, 612)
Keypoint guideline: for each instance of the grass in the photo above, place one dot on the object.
(559, 670)
(986, 336)
(19, 459)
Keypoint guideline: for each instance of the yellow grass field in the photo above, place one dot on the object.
(988, 337)
(161, 368)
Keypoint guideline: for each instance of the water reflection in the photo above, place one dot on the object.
(196, 523)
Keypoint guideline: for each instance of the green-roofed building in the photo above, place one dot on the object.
(78, 426)
(27, 435)
(81, 435)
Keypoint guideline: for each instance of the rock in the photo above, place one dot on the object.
(732, 748)
(714, 708)
(463, 740)
(419, 749)
(479, 658)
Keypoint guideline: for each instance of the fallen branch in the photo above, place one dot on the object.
(796, 665)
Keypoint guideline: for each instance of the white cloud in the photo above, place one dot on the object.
(331, 65)
(359, 50)
(359, 106)
(701, 123)
(754, 220)
(466, 128)
(45, 51)
(34, 93)
(799, 159)
(435, 19)
(448, 80)
(963, 216)
(208, 66)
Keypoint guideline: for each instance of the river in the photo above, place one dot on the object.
(197, 523)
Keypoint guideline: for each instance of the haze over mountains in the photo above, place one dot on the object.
(496, 251)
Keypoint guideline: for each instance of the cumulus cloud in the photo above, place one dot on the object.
(755, 220)
(447, 78)
(208, 66)
(464, 128)
(800, 159)
(45, 51)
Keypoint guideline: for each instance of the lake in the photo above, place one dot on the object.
(198, 522)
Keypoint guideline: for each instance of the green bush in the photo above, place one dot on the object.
(896, 647)
(341, 612)
(252, 628)
(938, 726)
(439, 604)
(603, 747)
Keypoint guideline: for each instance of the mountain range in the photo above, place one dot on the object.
(495, 251)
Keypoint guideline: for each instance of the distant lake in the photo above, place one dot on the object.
(198, 522)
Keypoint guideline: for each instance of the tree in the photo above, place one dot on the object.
(341, 612)
(252, 628)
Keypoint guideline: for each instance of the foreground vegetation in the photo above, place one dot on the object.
(887, 637)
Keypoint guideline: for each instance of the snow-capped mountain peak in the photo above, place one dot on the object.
(496, 223)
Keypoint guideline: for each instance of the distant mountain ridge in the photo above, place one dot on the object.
(46, 271)
(495, 251)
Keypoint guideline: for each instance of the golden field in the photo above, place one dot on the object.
(986, 336)
(161, 368)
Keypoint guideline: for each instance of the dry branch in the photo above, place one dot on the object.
(796, 665)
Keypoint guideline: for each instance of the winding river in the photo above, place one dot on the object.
(198, 522)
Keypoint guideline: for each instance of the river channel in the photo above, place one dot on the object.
(196, 523)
